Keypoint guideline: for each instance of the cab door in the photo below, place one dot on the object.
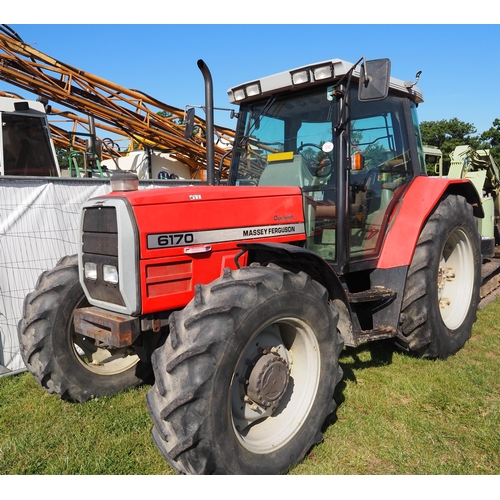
(379, 134)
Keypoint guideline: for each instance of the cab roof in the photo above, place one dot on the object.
(314, 74)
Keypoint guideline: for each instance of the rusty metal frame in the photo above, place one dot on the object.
(125, 112)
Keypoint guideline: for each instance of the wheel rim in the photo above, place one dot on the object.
(455, 279)
(281, 363)
(105, 361)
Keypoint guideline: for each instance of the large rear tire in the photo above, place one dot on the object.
(442, 289)
(62, 361)
(245, 380)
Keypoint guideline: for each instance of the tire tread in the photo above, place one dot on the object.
(186, 363)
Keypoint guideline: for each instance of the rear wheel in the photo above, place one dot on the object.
(245, 380)
(442, 289)
(61, 360)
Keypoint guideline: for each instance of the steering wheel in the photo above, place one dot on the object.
(319, 167)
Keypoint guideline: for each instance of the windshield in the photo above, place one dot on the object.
(26, 146)
(294, 132)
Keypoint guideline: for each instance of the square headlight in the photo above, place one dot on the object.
(323, 72)
(253, 89)
(110, 274)
(301, 76)
(90, 271)
(239, 94)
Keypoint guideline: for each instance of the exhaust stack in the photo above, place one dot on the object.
(209, 112)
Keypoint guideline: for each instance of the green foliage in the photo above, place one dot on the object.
(63, 158)
(397, 415)
(448, 134)
(164, 114)
(492, 138)
(167, 114)
(179, 122)
(375, 154)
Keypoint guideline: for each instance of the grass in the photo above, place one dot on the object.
(41, 434)
(397, 415)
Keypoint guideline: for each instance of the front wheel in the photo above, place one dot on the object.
(442, 289)
(61, 360)
(246, 378)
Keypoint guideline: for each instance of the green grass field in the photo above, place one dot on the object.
(397, 415)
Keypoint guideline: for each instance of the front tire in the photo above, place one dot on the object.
(442, 289)
(245, 380)
(62, 361)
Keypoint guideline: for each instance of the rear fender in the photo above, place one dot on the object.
(413, 210)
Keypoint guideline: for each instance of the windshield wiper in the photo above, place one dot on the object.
(246, 138)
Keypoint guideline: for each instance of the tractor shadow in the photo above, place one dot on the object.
(362, 357)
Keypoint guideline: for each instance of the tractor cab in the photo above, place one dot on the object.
(346, 137)
(26, 148)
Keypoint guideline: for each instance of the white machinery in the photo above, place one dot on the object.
(26, 145)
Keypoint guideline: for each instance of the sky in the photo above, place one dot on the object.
(459, 62)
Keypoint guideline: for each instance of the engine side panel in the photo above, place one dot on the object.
(192, 235)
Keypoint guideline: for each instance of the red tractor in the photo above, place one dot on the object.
(238, 298)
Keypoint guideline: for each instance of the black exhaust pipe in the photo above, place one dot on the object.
(209, 113)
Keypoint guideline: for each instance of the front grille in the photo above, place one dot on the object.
(100, 220)
(100, 246)
(100, 243)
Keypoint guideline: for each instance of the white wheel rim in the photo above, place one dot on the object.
(455, 279)
(100, 360)
(261, 430)
(103, 361)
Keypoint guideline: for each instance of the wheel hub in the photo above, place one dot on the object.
(446, 274)
(268, 380)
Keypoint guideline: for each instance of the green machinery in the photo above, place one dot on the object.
(480, 168)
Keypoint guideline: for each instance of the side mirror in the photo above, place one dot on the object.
(189, 123)
(374, 80)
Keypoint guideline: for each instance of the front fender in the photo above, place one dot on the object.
(300, 259)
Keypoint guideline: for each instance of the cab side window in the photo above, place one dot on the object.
(381, 141)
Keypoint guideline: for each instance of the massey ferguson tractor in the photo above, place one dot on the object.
(239, 298)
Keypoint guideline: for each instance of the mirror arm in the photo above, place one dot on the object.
(409, 85)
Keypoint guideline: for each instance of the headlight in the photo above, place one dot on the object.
(249, 90)
(110, 274)
(323, 72)
(253, 89)
(301, 76)
(90, 271)
(239, 94)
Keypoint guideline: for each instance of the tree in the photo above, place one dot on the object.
(63, 156)
(448, 134)
(375, 154)
(492, 138)
(179, 122)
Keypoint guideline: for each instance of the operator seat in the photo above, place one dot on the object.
(285, 169)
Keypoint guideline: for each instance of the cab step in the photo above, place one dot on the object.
(380, 333)
(373, 295)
